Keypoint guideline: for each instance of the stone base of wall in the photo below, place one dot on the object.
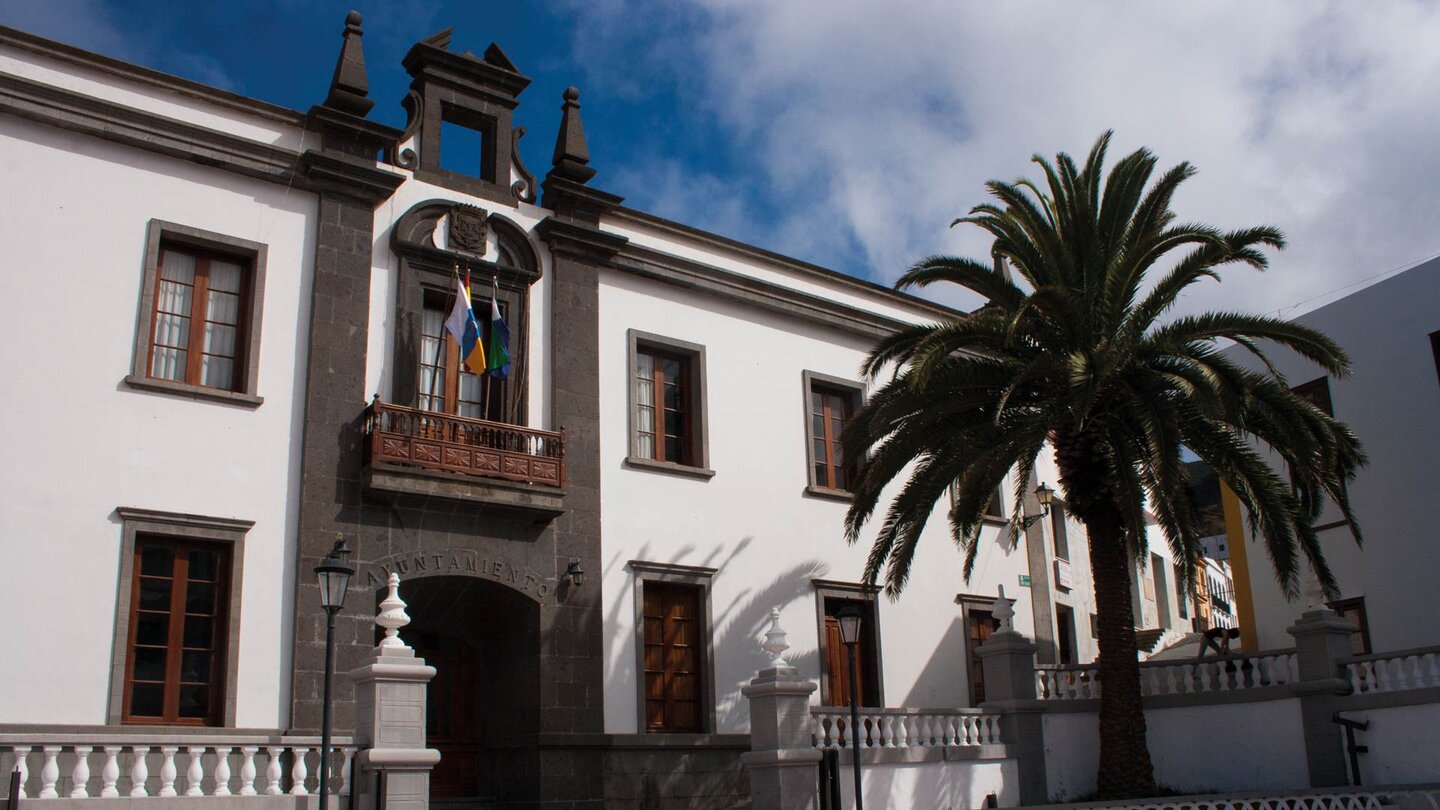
(676, 772)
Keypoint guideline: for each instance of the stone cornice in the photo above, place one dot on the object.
(20, 40)
(568, 238)
(339, 175)
(87, 115)
(653, 264)
(781, 261)
(372, 134)
(575, 200)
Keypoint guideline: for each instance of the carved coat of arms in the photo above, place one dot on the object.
(467, 229)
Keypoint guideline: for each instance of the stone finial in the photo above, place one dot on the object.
(392, 615)
(775, 642)
(349, 87)
(1314, 593)
(1002, 611)
(572, 155)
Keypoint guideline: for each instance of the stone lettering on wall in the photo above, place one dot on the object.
(456, 563)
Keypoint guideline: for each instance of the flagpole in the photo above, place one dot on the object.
(489, 327)
(440, 339)
(518, 393)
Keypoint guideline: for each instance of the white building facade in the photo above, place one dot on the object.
(251, 367)
(1391, 330)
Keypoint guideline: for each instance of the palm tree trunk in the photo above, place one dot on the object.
(1125, 769)
(1085, 475)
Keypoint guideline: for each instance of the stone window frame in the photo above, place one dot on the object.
(158, 231)
(675, 574)
(136, 522)
(855, 592)
(694, 353)
(856, 389)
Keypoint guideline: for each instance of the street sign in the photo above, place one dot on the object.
(1024, 580)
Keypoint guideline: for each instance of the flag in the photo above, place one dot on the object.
(462, 325)
(499, 364)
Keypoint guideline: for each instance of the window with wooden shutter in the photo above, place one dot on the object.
(663, 424)
(979, 625)
(667, 412)
(177, 638)
(200, 315)
(447, 385)
(837, 661)
(673, 657)
(830, 404)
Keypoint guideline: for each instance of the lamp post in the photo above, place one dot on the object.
(333, 575)
(1045, 495)
(848, 617)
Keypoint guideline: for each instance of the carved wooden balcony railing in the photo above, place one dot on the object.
(454, 444)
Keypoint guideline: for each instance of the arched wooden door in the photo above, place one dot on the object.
(483, 705)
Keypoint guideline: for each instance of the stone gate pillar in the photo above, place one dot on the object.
(782, 759)
(393, 765)
(1009, 662)
(1322, 646)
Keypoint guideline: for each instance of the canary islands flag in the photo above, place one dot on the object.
(462, 325)
(499, 341)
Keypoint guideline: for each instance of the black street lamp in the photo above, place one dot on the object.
(334, 578)
(848, 617)
(1045, 495)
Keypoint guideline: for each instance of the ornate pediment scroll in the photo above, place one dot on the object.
(464, 233)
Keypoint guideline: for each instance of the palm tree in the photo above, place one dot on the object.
(1082, 358)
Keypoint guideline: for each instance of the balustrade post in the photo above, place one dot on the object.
(1008, 659)
(194, 771)
(782, 759)
(222, 770)
(247, 769)
(167, 770)
(80, 774)
(50, 772)
(1322, 648)
(21, 753)
(110, 773)
(390, 727)
(272, 770)
(139, 772)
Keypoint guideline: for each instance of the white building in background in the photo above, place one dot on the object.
(1391, 400)
(228, 355)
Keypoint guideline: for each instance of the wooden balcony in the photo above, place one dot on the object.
(467, 459)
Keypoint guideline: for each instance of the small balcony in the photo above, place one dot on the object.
(414, 452)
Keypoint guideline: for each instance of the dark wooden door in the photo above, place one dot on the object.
(452, 714)
(674, 657)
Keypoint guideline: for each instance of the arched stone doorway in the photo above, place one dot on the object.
(483, 705)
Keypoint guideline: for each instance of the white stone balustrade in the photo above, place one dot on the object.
(114, 764)
(1302, 799)
(1394, 672)
(906, 728)
(1226, 673)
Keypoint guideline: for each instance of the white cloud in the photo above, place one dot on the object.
(878, 123)
(94, 26)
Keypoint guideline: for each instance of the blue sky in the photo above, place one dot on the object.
(850, 133)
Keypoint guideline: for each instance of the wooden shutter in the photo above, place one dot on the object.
(674, 657)
(981, 627)
(837, 662)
